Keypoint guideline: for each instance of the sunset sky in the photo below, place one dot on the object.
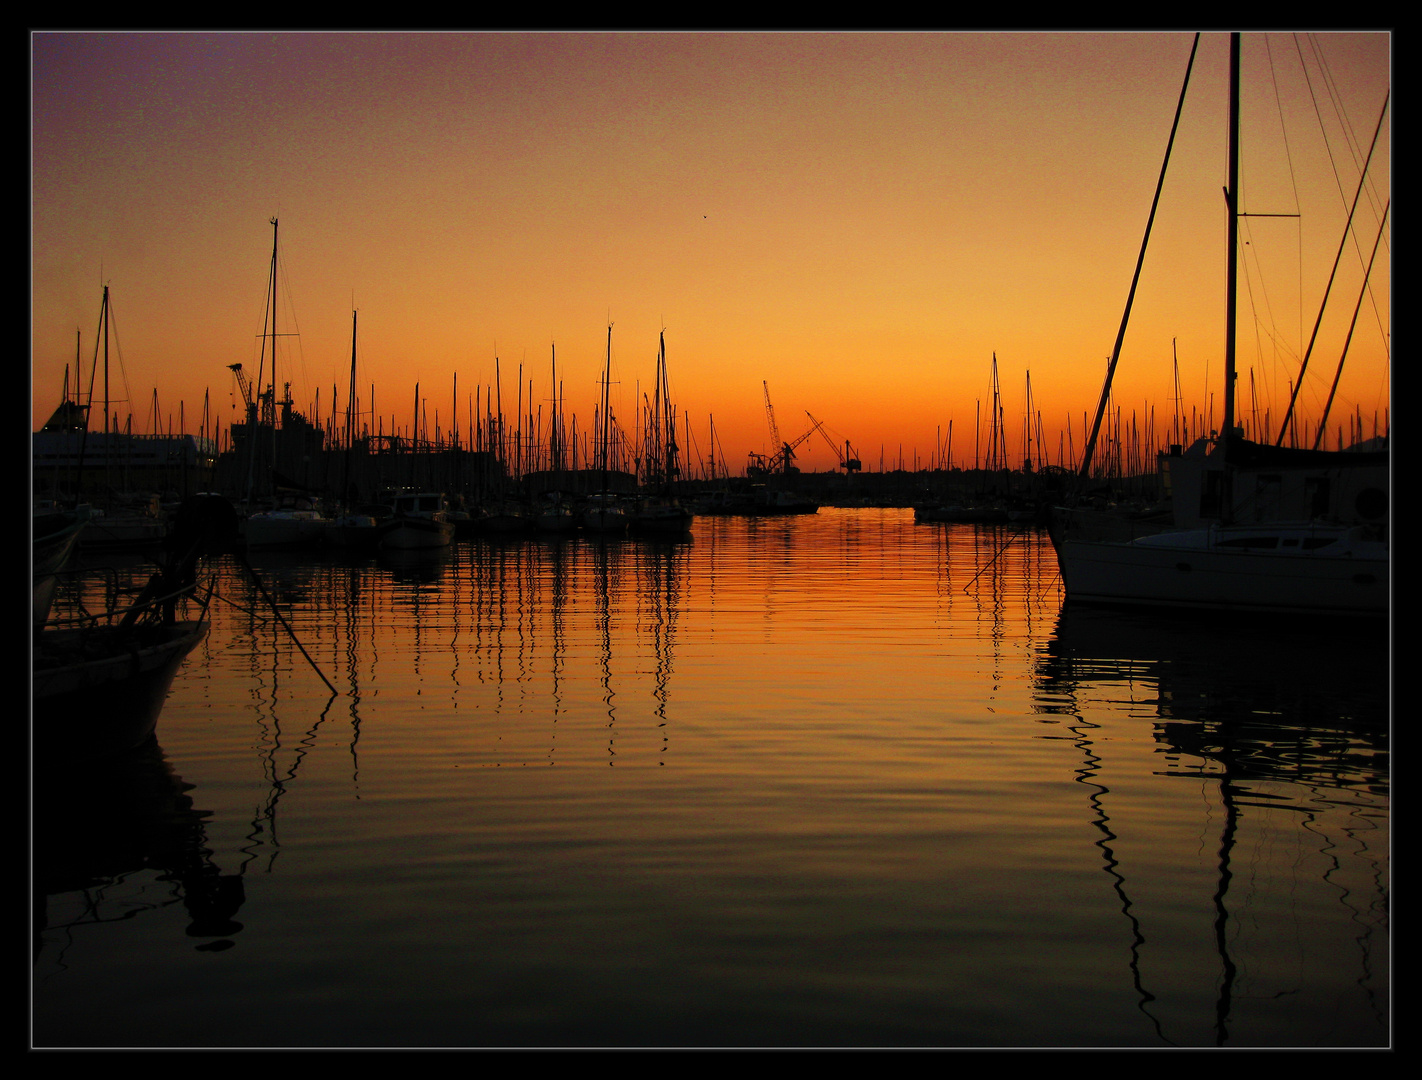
(860, 220)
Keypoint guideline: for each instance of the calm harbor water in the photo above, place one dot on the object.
(834, 780)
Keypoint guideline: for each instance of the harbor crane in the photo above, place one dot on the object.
(846, 457)
(760, 464)
(770, 416)
(245, 385)
(780, 461)
(266, 397)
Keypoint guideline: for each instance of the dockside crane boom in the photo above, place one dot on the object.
(846, 457)
(780, 455)
(245, 385)
(770, 416)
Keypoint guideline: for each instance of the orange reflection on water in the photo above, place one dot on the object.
(841, 778)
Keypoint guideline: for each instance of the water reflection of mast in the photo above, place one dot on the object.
(558, 571)
(355, 637)
(997, 606)
(492, 595)
(1258, 715)
(1228, 969)
(1063, 681)
(267, 814)
(264, 820)
(455, 609)
(663, 577)
(604, 602)
(1100, 821)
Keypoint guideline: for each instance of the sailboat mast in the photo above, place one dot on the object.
(350, 417)
(350, 405)
(670, 469)
(499, 411)
(606, 427)
(1232, 242)
(555, 457)
(104, 331)
(272, 291)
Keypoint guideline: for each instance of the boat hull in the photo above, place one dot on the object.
(1162, 574)
(56, 538)
(99, 690)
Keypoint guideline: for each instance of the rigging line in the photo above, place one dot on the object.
(996, 556)
(1363, 291)
(127, 398)
(1318, 115)
(282, 619)
(287, 295)
(1293, 183)
(1268, 328)
(1279, 107)
(1343, 243)
(1347, 128)
(1336, 100)
(1135, 278)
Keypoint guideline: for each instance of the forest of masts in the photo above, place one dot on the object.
(540, 435)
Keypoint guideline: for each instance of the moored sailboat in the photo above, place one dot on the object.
(1255, 528)
(604, 513)
(657, 511)
(99, 682)
(287, 516)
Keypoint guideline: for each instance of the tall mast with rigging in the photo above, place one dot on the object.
(1232, 241)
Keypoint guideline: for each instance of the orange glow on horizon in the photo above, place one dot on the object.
(859, 220)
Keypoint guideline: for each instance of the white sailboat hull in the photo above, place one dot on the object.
(1234, 569)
